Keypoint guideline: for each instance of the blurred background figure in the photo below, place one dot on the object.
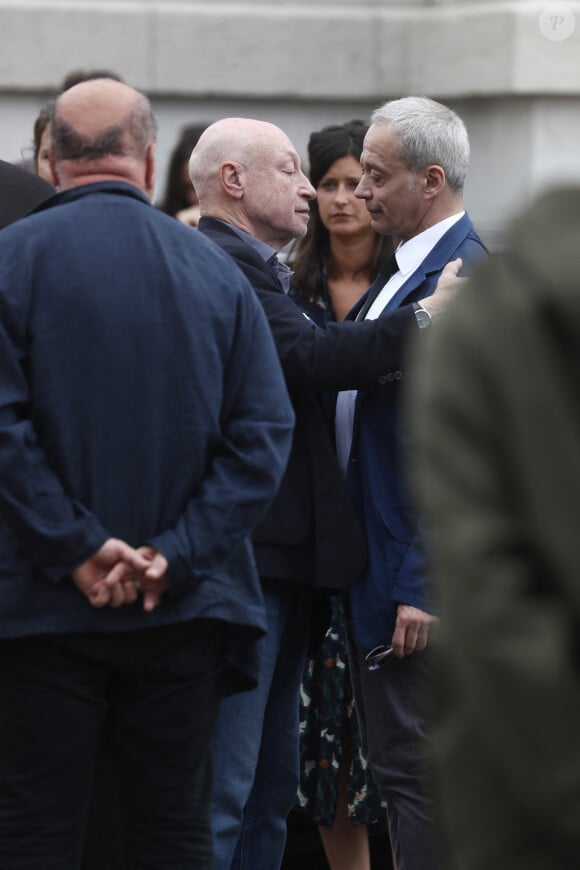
(334, 264)
(180, 199)
(496, 422)
(76, 76)
(41, 143)
(20, 192)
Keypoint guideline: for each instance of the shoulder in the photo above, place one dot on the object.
(20, 192)
(468, 232)
(244, 255)
(470, 247)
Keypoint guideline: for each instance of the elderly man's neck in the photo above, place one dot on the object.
(242, 221)
(72, 173)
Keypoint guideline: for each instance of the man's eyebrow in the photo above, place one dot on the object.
(369, 163)
(291, 157)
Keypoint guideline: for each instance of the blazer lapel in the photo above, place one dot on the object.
(435, 261)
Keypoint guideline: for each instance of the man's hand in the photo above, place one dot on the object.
(411, 630)
(447, 287)
(153, 581)
(108, 576)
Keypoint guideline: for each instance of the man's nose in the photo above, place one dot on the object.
(361, 191)
(307, 189)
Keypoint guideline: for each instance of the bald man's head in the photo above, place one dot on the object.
(102, 130)
(247, 172)
(100, 118)
(242, 140)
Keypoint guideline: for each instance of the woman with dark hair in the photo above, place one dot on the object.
(339, 257)
(180, 200)
(333, 265)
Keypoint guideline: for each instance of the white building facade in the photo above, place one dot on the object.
(511, 69)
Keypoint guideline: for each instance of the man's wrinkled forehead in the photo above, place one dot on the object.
(381, 146)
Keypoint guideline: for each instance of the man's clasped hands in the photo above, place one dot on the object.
(117, 573)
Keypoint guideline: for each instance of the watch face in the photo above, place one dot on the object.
(423, 318)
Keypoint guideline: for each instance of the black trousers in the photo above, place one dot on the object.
(153, 695)
(393, 706)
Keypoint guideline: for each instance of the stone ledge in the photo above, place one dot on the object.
(303, 51)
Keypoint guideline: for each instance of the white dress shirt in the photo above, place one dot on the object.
(409, 256)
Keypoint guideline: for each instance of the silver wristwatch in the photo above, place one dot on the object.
(422, 316)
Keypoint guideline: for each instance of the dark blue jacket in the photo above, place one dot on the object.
(140, 398)
(396, 571)
(311, 533)
(20, 192)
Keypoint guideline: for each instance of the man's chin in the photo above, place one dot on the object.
(301, 226)
(377, 223)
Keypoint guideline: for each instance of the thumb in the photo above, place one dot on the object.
(452, 269)
(156, 568)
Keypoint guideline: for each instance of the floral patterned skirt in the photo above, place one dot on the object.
(329, 735)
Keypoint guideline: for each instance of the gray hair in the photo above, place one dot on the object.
(430, 133)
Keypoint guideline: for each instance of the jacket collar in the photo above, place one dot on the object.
(121, 188)
(435, 261)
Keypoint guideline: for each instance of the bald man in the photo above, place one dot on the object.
(144, 428)
(254, 199)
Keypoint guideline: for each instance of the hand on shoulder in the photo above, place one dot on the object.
(448, 285)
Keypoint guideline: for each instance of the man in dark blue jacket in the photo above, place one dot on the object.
(144, 428)
(414, 162)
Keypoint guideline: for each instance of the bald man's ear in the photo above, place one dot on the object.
(150, 171)
(231, 179)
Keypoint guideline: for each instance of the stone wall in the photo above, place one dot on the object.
(511, 68)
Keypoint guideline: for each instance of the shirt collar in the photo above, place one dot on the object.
(410, 254)
(263, 248)
(268, 254)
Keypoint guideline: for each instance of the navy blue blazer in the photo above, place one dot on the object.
(140, 397)
(396, 571)
(311, 532)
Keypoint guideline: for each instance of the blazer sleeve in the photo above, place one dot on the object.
(343, 356)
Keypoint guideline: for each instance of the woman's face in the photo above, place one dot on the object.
(340, 211)
(42, 164)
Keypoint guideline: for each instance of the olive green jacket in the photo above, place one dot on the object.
(497, 473)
